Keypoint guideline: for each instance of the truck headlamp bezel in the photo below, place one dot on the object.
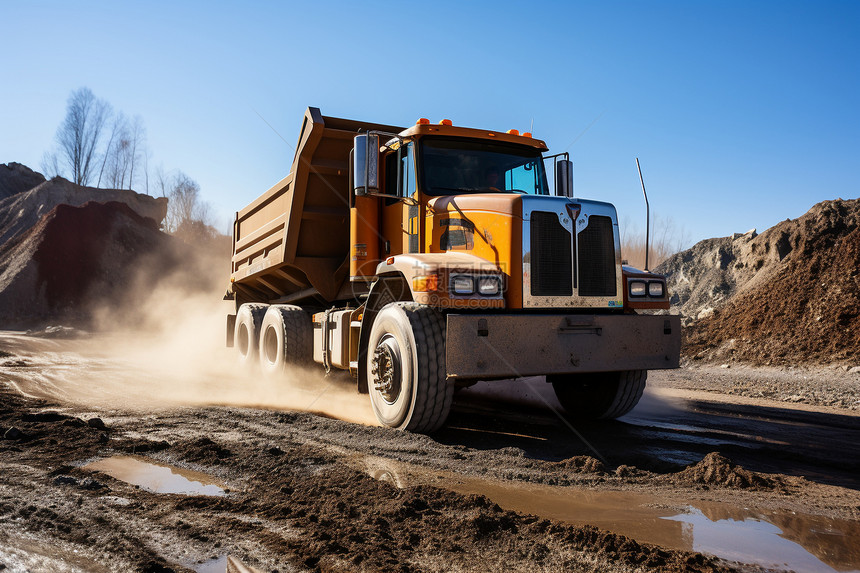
(462, 284)
(637, 289)
(489, 286)
(656, 289)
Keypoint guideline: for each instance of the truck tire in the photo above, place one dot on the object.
(286, 339)
(406, 372)
(599, 395)
(247, 333)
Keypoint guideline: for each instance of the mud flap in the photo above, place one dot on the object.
(231, 329)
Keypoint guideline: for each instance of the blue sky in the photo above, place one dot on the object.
(742, 113)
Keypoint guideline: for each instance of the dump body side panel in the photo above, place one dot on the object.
(292, 242)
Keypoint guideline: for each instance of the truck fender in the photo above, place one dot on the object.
(385, 290)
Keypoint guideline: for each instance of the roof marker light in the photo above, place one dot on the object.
(527, 134)
(446, 122)
(422, 121)
(513, 132)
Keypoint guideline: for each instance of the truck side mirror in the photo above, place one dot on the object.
(564, 178)
(365, 172)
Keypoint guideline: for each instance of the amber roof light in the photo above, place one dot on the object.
(446, 122)
(422, 121)
(513, 132)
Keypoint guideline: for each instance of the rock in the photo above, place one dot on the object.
(854, 370)
(65, 480)
(96, 423)
(91, 484)
(725, 365)
(49, 416)
(13, 433)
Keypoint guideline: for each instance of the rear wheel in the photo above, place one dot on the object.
(406, 371)
(599, 395)
(286, 338)
(247, 334)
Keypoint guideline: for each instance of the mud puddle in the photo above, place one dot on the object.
(777, 539)
(216, 565)
(155, 477)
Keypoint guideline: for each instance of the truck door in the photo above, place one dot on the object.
(400, 221)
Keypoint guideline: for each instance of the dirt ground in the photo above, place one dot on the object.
(705, 475)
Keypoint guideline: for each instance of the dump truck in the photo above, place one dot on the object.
(425, 259)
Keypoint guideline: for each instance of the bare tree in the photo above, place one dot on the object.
(116, 127)
(50, 164)
(125, 151)
(137, 141)
(79, 135)
(185, 207)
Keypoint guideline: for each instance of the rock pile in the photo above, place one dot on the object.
(791, 294)
(66, 249)
(76, 259)
(15, 178)
(21, 210)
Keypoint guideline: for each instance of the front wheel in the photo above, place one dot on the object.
(599, 395)
(406, 372)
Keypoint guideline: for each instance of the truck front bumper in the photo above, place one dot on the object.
(486, 346)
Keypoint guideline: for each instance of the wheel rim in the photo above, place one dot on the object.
(270, 345)
(387, 369)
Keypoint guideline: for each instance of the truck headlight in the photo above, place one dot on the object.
(489, 286)
(638, 288)
(462, 284)
(655, 289)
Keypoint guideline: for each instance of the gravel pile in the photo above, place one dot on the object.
(788, 296)
(834, 386)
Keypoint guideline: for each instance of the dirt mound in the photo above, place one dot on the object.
(791, 294)
(21, 211)
(808, 312)
(708, 275)
(582, 464)
(16, 178)
(77, 258)
(715, 469)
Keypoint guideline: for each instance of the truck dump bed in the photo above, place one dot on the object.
(292, 242)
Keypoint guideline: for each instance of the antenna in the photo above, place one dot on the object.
(532, 126)
(647, 213)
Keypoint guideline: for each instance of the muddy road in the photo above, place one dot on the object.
(147, 455)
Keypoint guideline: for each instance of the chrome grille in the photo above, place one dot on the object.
(597, 258)
(551, 267)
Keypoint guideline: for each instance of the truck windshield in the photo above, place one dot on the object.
(451, 166)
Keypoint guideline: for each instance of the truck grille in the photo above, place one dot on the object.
(551, 268)
(597, 258)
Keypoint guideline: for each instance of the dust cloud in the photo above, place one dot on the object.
(164, 346)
